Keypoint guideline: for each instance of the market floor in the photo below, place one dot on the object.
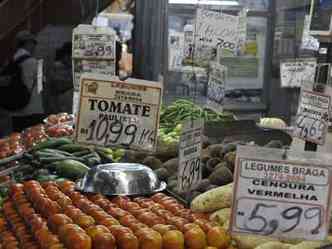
(298, 144)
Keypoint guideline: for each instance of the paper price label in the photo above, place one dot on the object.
(216, 29)
(313, 117)
(280, 198)
(117, 113)
(190, 172)
(106, 67)
(294, 73)
(216, 86)
(91, 42)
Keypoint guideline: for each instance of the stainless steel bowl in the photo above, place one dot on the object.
(121, 179)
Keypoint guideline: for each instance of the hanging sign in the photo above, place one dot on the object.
(80, 66)
(175, 50)
(117, 113)
(313, 117)
(216, 29)
(282, 198)
(190, 172)
(309, 42)
(295, 72)
(216, 86)
(92, 42)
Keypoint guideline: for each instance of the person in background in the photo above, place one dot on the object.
(62, 87)
(33, 113)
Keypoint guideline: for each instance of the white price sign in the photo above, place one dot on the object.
(81, 66)
(308, 42)
(117, 113)
(296, 72)
(313, 117)
(190, 172)
(216, 86)
(216, 29)
(91, 42)
(280, 198)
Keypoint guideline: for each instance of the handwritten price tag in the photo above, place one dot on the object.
(117, 113)
(216, 29)
(296, 72)
(91, 42)
(80, 67)
(280, 198)
(190, 172)
(216, 86)
(313, 117)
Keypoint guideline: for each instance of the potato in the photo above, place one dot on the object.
(250, 241)
(214, 150)
(214, 199)
(230, 157)
(203, 185)
(162, 174)
(212, 163)
(274, 245)
(171, 165)
(221, 216)
(205, 155)
(153, 162)
(135, 156)
(221, 176)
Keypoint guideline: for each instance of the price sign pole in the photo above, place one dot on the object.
(189, 171)
(281, 197)
(118, 113)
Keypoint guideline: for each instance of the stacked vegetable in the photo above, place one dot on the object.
(55, 216)
(182, 110)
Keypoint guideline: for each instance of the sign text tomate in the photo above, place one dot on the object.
(117, 113)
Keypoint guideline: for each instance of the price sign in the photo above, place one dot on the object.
(81, 66)
(308, 42)
(216, 29)
(296, 72)
(216, 86)
(280, 198)
(92, 42)
(116, 113)
(190, 172)
(313, 117)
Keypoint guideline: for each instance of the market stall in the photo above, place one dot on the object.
(146, 165)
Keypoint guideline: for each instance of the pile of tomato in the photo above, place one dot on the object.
(55, 216)
(56, 126)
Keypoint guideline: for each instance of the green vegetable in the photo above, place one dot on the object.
(82, 153)
(45, 178)
(70, 169)
(71, 148)
(181, 110)
(11, 158)
(52, 143)
(46, 160)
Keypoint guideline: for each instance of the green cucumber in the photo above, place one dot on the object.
(52, 143)
(82, 153)
(71, 148)
(58, 152)
(71, 169)
(11, 158)
(47, 160)
(46, 178)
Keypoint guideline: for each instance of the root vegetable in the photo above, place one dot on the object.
(214, 199)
